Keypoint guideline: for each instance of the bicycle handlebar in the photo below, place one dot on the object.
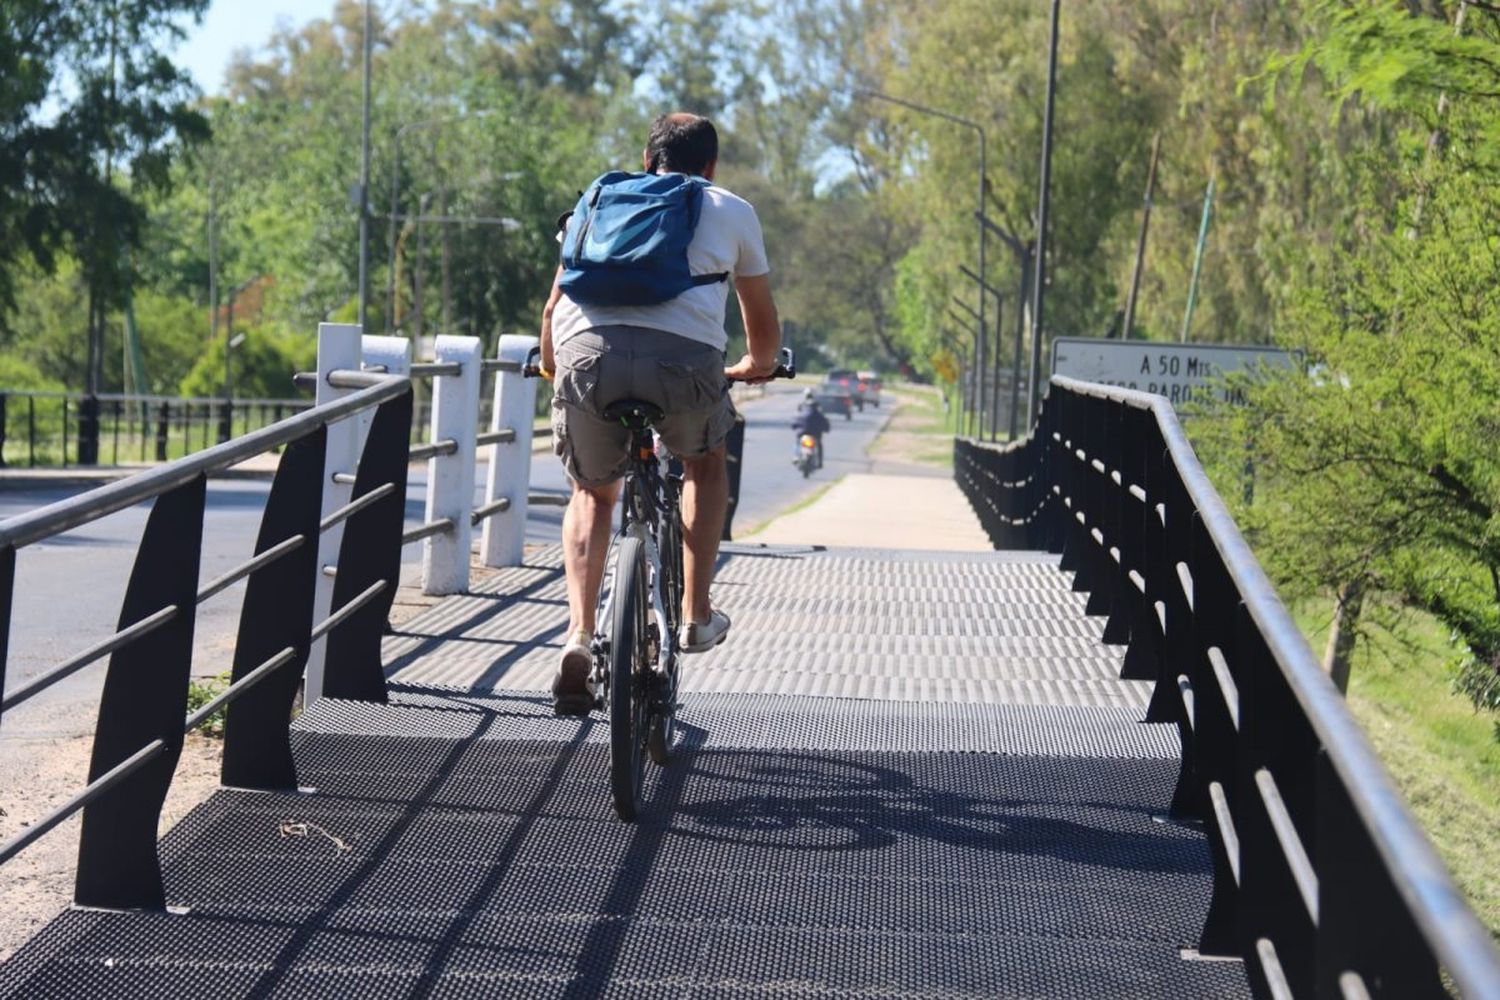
(785, 368)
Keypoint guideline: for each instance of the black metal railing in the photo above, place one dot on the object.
(40, 429)
(143, 710)
(1323, 881)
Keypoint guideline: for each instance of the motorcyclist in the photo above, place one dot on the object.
(810, 420)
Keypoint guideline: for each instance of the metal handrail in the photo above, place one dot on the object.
(356, 505)
(1456, 936)
(441, 526)
(91, 791)
(55, 518)
(432, 369)
(244, 569)
(78, 661)
(505, 435)
(432, 449)
(497, 506)
(238, 688)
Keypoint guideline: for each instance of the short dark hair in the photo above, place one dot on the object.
(682, 143)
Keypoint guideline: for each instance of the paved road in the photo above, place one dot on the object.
(69, 589)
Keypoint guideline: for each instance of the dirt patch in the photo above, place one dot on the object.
(38, 773)
(915, 435)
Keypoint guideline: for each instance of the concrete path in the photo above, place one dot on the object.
(883, 512)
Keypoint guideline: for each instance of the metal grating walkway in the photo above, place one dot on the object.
(800, 845)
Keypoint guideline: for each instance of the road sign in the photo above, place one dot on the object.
(1181, 372)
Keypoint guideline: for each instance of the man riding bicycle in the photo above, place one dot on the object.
(668, 353)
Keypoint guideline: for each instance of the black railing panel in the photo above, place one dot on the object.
(144, 700)
(277, 613)
(1323, 881)
(369, 554)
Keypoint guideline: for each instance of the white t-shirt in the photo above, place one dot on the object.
(728, 239)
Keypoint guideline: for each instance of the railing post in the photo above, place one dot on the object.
(341, 346)
(163, 430)
(503, 540)
(370, 554)
(88, 430)
(145, 699)
(338, 347)
(450, 478)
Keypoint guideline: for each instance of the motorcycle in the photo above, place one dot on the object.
(807, 454)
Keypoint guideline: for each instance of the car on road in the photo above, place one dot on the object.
(869, 385)
(834, 398)
(844, 380)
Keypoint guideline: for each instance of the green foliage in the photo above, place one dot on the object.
(200, 693)
(1377, 463)
(262, 366)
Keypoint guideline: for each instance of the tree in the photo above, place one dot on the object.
(93, 94)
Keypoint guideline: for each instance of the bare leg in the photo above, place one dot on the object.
(585, 533)
(705, 499)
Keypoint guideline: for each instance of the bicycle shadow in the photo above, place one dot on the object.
(830, 803)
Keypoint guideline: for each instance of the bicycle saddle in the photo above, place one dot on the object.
(633, 414)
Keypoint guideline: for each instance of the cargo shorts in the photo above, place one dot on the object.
(609, 363)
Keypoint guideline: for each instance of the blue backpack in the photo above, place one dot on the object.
(627, 240)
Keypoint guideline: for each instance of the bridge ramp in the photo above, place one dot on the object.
(906, 775)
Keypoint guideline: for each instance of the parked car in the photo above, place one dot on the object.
(846, 380)
(869, 385)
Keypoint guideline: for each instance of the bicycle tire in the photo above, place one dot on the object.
(663, 720)
(629, 673)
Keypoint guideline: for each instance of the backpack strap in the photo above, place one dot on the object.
(710, 279)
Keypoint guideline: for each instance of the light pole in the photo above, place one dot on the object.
(976, 341)
(1039, 262)
(364, 181)
(1024, 253)
(966, 123)
(985, 286)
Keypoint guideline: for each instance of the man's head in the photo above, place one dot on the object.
(682, 143)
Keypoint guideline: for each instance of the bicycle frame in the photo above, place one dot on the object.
(643, 500)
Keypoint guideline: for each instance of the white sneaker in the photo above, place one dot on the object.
(699, 637)
(573, 684)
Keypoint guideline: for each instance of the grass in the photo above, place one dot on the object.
(920, 431)
(200, 693)
(1443, 754)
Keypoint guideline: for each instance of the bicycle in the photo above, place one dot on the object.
(636, 664)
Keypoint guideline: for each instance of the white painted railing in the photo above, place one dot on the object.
(452, 453)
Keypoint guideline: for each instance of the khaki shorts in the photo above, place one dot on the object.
(609, 363)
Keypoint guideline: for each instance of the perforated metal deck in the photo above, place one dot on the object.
(799, 845)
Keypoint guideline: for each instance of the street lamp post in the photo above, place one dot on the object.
(364, 180)
(966, 123)
(985, 286)
(1039, 260)
(981, 393)
(976, 342)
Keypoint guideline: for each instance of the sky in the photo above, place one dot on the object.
(238, 24)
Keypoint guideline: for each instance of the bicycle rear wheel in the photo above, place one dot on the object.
(629, 678)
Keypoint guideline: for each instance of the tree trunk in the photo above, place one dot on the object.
(1340, 649)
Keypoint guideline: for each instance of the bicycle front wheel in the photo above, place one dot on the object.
(629, 678)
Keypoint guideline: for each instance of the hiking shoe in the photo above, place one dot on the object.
(573, 685)
(699, 637)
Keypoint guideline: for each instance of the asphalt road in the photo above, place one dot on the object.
(69, 588)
